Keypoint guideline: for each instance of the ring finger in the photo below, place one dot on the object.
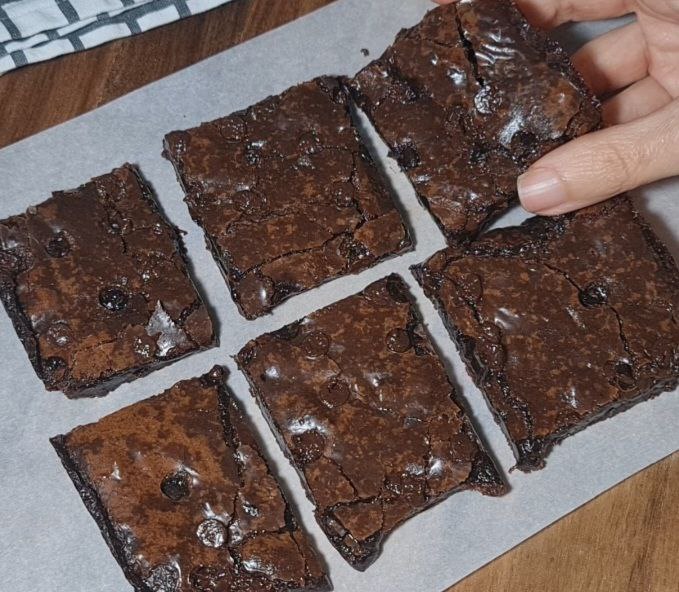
(614, 60)
(640, 99)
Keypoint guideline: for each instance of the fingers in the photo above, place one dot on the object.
(640, 99)
(552, 13)
(614, 60)
(602, 164)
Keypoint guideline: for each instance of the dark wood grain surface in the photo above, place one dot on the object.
(627, 540)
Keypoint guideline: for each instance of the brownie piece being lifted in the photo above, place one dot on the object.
(561, 322)
(466, 100)
(96, 284)
(184, 497)
(287, 195)
(363, 407)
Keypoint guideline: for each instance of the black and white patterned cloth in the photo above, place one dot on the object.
(36, 30)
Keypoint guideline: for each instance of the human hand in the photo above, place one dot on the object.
(636, 69)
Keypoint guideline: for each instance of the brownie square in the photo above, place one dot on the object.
(287, 195)
(96, 283)
(364, 409)
(184, 498)
(466, 100)
(561, 322)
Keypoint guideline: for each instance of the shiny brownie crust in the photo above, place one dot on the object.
(562, 322)
(466, 100)
(287, 195)
(362, 405)
(96, 283)
(184, 498)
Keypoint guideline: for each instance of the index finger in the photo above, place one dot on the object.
(548, 14)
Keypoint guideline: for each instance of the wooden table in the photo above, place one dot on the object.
(625, 541)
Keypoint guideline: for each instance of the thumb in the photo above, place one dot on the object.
(602, 164)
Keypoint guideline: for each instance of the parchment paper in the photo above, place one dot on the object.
(48, 541)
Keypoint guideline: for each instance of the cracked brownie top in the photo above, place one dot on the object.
(184, 497)
(96, 284)
(561, 321)
(362, 404)
(466, 100)
(287, 195)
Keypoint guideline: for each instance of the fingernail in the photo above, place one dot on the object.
(541, 190)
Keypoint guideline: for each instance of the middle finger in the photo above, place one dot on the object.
(614, 60)
(638, 100)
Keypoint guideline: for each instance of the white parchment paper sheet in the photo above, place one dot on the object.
(48, 541)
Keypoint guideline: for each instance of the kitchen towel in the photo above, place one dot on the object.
(36, 30)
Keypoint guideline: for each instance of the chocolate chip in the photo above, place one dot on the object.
(212, 533)
(624, 376)
(352, 250)
(315, 344)
(253, 155)
(524, 144)
(398, 341)
(344, 195)
(594, 295)
(308, 446)
(485, 101)
(470, 286)
(378, 294)
(113, 299)
(336, 393)
(163, 578)
(410, 94)
(59, 333)
(176, 486)
(408, 157)
(58, 246)
(397, 289)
